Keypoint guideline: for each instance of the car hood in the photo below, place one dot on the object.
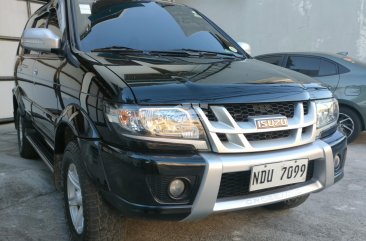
(171, 80)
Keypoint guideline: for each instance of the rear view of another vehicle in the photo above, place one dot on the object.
(344, 76)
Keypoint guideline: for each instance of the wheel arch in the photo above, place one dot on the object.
(64, 134)
(76, 121)
(17, 102)
(73, 124)
(18, 105)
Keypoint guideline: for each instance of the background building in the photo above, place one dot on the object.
(291, 25)
(13, 17)
(267, 25)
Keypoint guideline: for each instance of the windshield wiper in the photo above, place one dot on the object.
(203, 53)
(174, 52)
(170, 53)
(119, 49)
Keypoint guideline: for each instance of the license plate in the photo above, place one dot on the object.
(278, 174)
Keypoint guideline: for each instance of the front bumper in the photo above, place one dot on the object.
(324, 176)
(205, 200)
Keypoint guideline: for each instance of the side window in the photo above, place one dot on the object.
(327, 68)
(41, 22)
(306, 65)
(274, 59)
(53, 24)
(342, 69)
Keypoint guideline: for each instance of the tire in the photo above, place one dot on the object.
(288, 204)
(26, 150)
(350, 123)
(97, 220)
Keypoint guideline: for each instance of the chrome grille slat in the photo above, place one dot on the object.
(302, 127)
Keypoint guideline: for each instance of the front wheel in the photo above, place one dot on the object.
(288, 204)
(88, 216)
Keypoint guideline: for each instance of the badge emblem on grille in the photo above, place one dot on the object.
(267, 122)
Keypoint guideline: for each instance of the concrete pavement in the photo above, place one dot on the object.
(31, 209)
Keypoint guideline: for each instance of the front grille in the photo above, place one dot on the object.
(261, 136)
(242, 112)
(268, 135)
(306, 107)
(237, 183)
(236, 133)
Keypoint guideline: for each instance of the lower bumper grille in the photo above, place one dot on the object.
(237, 183)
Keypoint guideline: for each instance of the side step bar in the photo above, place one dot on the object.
(42, 149)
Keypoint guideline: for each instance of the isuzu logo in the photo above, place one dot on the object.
(270, 122)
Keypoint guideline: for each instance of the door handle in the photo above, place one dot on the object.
(35, 72)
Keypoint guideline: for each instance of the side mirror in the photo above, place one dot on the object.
(40, 39)
(247, 48)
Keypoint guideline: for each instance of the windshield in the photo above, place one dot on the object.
(147, 26)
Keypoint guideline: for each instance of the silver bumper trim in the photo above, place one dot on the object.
(207, 203)
(222, 206)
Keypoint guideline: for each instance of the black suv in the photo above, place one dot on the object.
(144, 108)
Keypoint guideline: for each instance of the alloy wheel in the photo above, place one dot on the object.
(20, 130)
(347, 124)
(75, 199)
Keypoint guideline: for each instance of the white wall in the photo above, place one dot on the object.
(291, 25)
(13, 17)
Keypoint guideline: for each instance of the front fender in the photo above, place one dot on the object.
(74, 119)
(78, 121)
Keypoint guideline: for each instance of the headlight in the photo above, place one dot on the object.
(327, 113)
(167, 124)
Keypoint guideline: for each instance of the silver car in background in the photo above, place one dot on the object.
(345, 77)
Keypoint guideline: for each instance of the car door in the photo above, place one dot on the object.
(24, 72)
(322, 69)
(45, 108)
(24, 77)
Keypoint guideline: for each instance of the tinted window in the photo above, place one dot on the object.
(342, 69)
(145, 26)
(275, 59)
(327, 68)
(306, 65)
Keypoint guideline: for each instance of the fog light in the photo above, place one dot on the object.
(177, 188)
(337, 162)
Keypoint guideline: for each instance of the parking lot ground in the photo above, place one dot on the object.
(31, 209)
